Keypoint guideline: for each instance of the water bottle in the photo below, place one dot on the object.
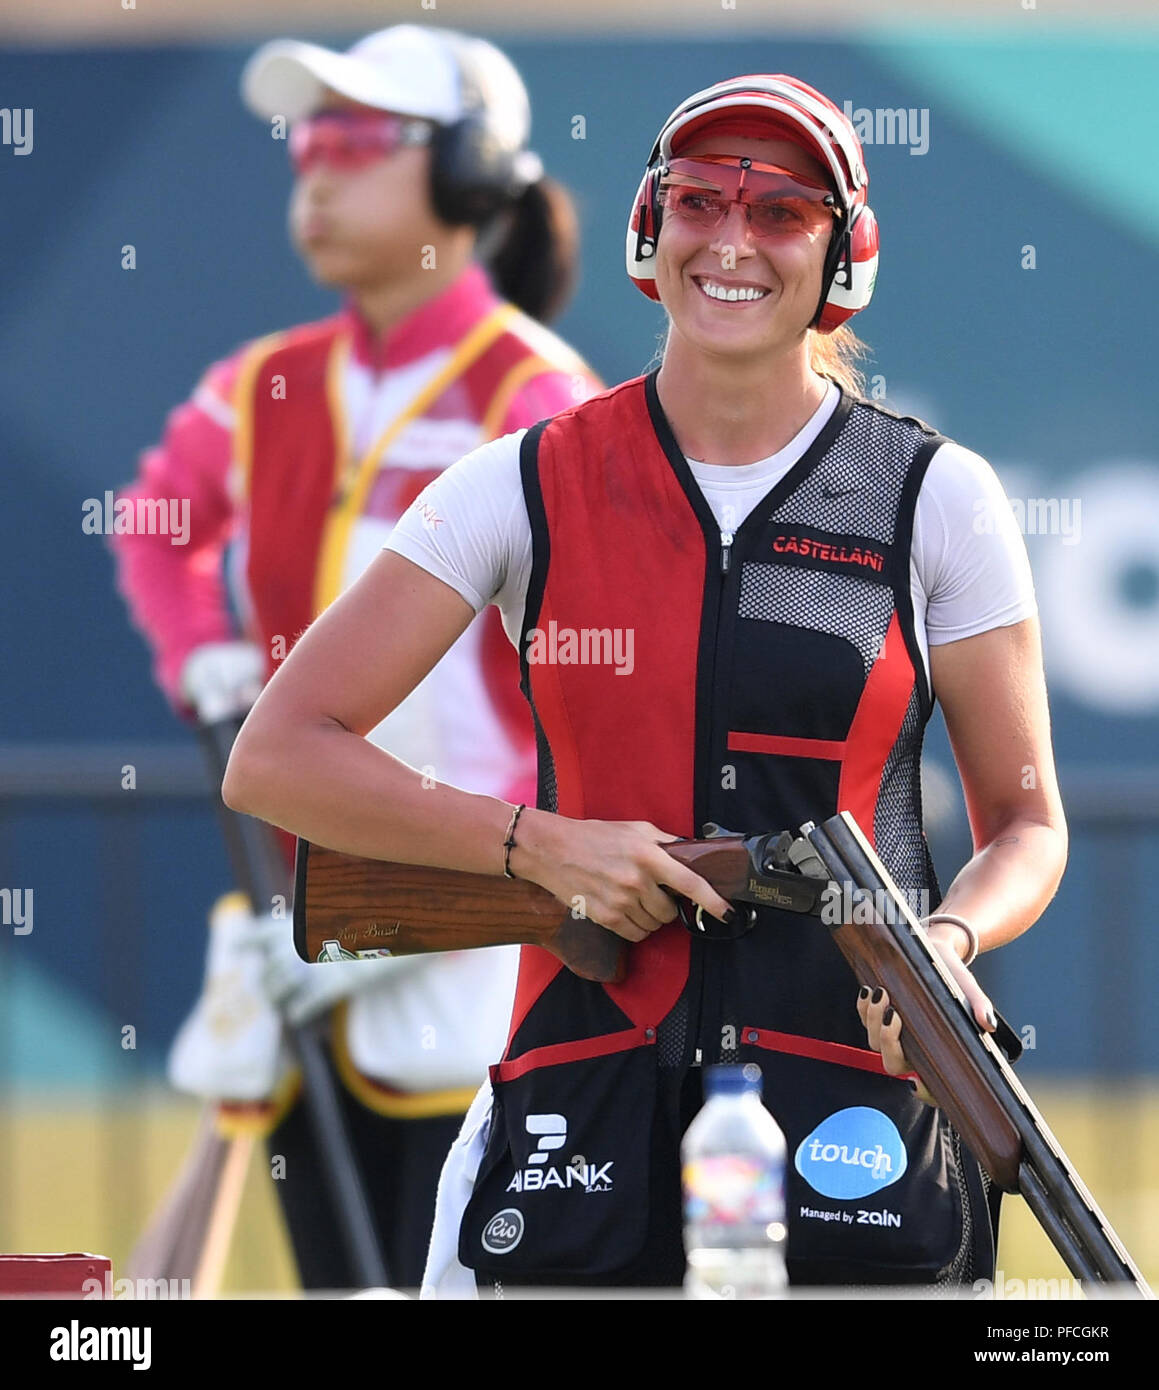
(733, 1161)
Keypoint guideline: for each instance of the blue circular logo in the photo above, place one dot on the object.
(852, 1153)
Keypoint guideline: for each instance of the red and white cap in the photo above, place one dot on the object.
(764, 105)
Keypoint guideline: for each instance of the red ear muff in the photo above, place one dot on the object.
(643, 234)
(851, 272)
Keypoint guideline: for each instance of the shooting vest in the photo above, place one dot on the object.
(306, 492)
(775, 678)
(304, 489)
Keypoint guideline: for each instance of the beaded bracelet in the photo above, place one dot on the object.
(972, 954)
(509, 842)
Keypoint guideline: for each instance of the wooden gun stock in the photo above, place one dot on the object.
(370, 905)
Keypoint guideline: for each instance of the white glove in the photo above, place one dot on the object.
(222, 680)
(230, 1047)
(300, 991)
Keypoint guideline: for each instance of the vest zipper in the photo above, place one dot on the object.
(707, 1051)
(725, 550)
(702, 999)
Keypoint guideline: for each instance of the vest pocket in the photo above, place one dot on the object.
(563, 1188)
(873, 1190)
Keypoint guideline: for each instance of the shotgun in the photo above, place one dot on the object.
(260, 869)
(346, 907)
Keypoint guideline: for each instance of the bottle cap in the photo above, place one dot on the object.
(732, 1080)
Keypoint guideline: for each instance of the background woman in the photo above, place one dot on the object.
(299, 452)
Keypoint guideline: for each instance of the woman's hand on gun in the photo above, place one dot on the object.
(615, 873)
(883, 1023)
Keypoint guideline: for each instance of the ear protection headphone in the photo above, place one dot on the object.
(479, 165)
(850, 268)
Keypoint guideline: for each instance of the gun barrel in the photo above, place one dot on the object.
(967, 1074)
(1062, 1237)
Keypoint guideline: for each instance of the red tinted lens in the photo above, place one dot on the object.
(343, 140)
(788, 216)
(780, 202)
(695, 204)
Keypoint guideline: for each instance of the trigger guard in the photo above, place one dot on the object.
(719, 931)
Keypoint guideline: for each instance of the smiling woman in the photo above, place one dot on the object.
(798, 575)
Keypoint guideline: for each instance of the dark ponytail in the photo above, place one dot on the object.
(535, 262)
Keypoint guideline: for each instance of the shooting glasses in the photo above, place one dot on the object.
(352, 139)
(778, 202)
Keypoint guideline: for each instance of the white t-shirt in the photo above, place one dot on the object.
(968, 566)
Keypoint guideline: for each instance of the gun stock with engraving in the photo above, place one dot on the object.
(348, 907)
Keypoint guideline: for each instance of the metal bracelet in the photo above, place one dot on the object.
(509, 839)
(972, 954)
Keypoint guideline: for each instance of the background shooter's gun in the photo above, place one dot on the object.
(346, 906)
(961, 1065)
(260, 870)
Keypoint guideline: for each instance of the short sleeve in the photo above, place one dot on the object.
(968, 552)
(469, 527)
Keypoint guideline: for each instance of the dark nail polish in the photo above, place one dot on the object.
(887, 1017)
(730, 917)
(863, 992)
(876, 998)
(990, 1019)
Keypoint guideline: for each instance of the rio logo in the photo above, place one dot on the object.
(503, 1232)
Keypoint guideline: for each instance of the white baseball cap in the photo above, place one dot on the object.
(436, 74)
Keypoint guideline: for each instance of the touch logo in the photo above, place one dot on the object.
(852, 1153)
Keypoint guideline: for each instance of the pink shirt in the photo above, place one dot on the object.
(177, 594)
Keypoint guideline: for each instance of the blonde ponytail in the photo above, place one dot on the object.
(837, 355)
